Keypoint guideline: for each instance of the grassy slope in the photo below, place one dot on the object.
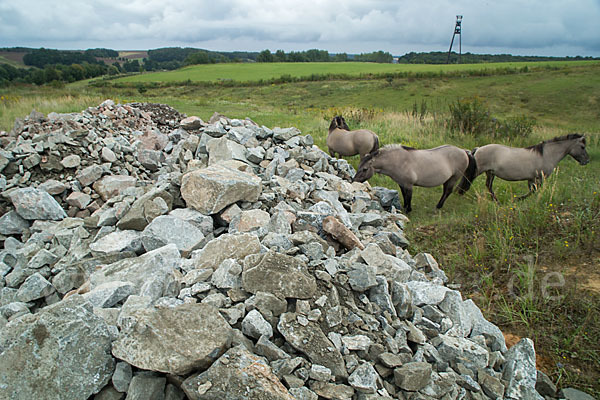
(500, 254)
(256, 71)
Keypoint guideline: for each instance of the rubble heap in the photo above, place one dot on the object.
(150, 255)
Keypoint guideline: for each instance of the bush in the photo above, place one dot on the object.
(517, 127)
(472, 117)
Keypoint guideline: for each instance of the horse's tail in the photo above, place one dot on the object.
(470, 173)
(375, 144)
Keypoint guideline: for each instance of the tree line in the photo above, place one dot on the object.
(441, 57)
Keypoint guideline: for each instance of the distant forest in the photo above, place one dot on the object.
(439, 57)
(63, 66)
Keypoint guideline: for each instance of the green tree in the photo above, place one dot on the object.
(265, 56)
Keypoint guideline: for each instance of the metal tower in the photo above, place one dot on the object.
(457, 29)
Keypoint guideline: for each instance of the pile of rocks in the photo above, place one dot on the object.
(149, 255)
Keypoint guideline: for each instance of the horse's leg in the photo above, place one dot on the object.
(448, 186)
(407, 195)
(532, 185)
(489, 181)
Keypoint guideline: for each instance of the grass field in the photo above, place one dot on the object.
(252, 72)
(532, 266)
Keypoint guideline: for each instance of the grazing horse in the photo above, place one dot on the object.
(532, 163)
(410, 167)
(343, 141)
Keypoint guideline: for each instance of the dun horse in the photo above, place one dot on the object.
(531, 163)
(343, 141)
(410, 167)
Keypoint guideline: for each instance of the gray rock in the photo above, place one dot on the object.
(191, 123)
(174, 340)
(122, 376)
(544, 385)
(481, 326)
(11, 223)
(266, 303)
(574, 394)
(235, 246)
(223, 149)
(380, 295)
(520, 371)
(413, 376)
(249, 220)
(33, 204)
(109, 293)
(112, 185)
(118, 241)
(203, 222)
(285, 134)
(146, 386)
(62, 352)
(269, 350)
(151, 159)
(364, 378)
(152, 274)
(278, 274)
(491, 386)
(454, 348)
(210, 190)
(228, 275)
(320, 373)
(71, 161)
(311, 340)
(236, 375)
(167, 229)
(89, 175)
(426, 292)
(255, 325)
(303, 393)
(362, 277)
(35, 287)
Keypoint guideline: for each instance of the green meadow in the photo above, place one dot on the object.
(532, 266)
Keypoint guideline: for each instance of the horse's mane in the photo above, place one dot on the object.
(539, 148)
(334, 124)
(397, 146)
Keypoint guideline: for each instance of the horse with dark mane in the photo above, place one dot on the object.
(532, 163)
(343, 141)
(408, 167)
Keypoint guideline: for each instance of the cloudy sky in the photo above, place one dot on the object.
(530, 27)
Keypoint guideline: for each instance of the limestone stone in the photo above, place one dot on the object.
(174, 340)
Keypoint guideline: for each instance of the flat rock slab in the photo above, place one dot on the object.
(63, 352)
(278, 274)
(210, 190)
(174, 340)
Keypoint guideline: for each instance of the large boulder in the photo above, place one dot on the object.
(210, 190)
(62, 352)
(174, 340)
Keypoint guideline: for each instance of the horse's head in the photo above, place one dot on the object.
(338, 122)
(365, 169)
(577, 150)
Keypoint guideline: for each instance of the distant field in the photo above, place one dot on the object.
(13, 58)
(133, 54)
(252, 72)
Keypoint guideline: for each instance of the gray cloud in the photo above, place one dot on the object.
(538, 27)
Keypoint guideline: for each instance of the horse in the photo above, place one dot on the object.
(343, 141)
(410, 167)
(533, 163)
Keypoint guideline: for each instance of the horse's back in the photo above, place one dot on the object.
(509, 163)
(435, 166)
(350, 143)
